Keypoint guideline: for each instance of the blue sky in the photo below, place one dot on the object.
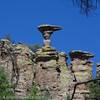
(20, 19)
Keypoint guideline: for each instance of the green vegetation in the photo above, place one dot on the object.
(94, 88)
(68, 98)
(5, 87)
(6, 91)
(34, 94)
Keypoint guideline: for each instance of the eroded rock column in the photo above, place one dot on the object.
(82, 68)
(7, 58)
(25, 70)
(66, 77)
(16, 60)
(98, 70)
(52, 74)
(47, 73)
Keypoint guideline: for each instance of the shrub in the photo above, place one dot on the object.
(5, 87)
(34, 94)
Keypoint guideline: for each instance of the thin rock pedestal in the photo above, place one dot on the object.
(51, 69)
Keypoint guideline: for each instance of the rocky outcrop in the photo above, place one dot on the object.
(52, 74)
(17, 63)
(25, 70)
(8, 59)
(47, 68)
(98, 70)
(81, 67)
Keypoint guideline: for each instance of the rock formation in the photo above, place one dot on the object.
(46, 67)
(81, 67)
(98, 70)
(17, 63)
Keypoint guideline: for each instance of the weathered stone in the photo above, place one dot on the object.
(17, 63)
(46, 31)
(98, 70)
(47, 68)
(6, 57)
(98, 67)
(80, 54)
(46, 74)
(53, 74)
(25, 67)
(81, 66)
(45, 55)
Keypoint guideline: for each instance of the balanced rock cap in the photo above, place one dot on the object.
(46, 27)
(80, 54)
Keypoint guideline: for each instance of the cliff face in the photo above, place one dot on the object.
(81, 67)
(52, 74)
(17, 63)
(47, 68)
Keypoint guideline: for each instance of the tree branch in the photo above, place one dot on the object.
(98, 79)
(86, 6)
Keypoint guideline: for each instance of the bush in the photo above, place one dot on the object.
(5, 87)
(34, 94)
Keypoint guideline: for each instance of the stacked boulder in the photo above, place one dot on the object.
(52, 74)
(47, 68)
(81, 67)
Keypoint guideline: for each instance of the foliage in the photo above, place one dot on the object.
(34, 94)
(86, 6)
(68, 98)
(5, 87)
(94, 88)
